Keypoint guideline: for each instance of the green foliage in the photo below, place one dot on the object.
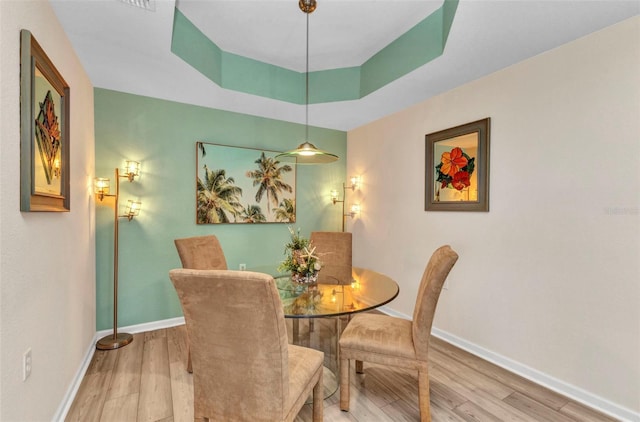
(300, 256)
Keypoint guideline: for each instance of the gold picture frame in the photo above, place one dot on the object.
(44, 131)
(457, 168)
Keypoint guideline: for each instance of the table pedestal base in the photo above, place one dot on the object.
(321, 335)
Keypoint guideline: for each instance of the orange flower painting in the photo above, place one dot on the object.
(453, 161)
(455, 169)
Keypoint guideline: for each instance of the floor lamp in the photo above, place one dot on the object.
(131, 170)
(355, 208)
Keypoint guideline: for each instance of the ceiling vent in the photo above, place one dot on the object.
(149, 5)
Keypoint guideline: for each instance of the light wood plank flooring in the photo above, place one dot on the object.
(147, 381)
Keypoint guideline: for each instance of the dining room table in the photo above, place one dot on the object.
(318, 312)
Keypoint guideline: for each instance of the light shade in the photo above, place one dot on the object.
(355, 210)
(355, 182)
(101, 186)
(307, 153)
(131, 169)
(133, 209)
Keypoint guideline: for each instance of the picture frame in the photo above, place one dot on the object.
(457, 168)
(237, 185)
(44, 131)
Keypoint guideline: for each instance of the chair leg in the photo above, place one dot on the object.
(318, 399)
(189, 367)
(296, 331)
(344, 384)
(359, 367)
(423, 396)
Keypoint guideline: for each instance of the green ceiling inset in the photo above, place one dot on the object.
(416, 47)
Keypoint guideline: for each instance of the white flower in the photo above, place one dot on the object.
(317, 266)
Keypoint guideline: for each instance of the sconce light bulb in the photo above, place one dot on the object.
(101, 187)
(133, 209)
(334, 196)
(355, 209)
(355, 182)
(131, 169)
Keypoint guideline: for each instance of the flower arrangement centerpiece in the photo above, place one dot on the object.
(455, 169)
(301, 260)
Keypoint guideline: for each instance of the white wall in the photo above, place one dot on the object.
(550, 277)
(47, 260)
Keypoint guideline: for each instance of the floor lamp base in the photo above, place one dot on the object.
(110, 342)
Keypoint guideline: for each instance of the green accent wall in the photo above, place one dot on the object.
(413, 49)
(162, 135)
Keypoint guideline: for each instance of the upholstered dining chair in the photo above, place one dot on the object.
(334, 250)
(200, 253)
(388, 340)
(244, 367)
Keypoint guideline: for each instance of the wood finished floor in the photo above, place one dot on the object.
(147, 381)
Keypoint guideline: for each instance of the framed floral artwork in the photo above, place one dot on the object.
(44, 131)
(457, 168)
(243, 185)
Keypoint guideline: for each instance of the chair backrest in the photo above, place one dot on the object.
(238, 336)
(334, 251)
(433, 278)
(201, 253)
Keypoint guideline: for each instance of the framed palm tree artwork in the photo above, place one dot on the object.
(243, 185)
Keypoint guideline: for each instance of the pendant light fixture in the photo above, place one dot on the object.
(307, 153)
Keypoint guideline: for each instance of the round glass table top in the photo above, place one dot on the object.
(367, 290)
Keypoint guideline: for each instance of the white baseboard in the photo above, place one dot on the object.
(570, 391)
(63, 409)
(575, 393)
(588, 399)
(147, 326)
(393, 313)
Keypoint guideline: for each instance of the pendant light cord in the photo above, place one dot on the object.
(306, 138)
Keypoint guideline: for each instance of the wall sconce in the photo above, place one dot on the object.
(355, 184)
(101, 189)
(354, 210)
(131, 169)
(133, 209)
(334, 196)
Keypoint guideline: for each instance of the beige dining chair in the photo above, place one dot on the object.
(200, 253)
(244, 367)
(388, 340)
(334, 251)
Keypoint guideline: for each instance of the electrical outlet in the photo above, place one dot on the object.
(242, 267)
(26, 364)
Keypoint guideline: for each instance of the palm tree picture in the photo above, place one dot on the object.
(286, 212)
(269, 178)
(253, 214)
(218, 198)
(228, 177)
